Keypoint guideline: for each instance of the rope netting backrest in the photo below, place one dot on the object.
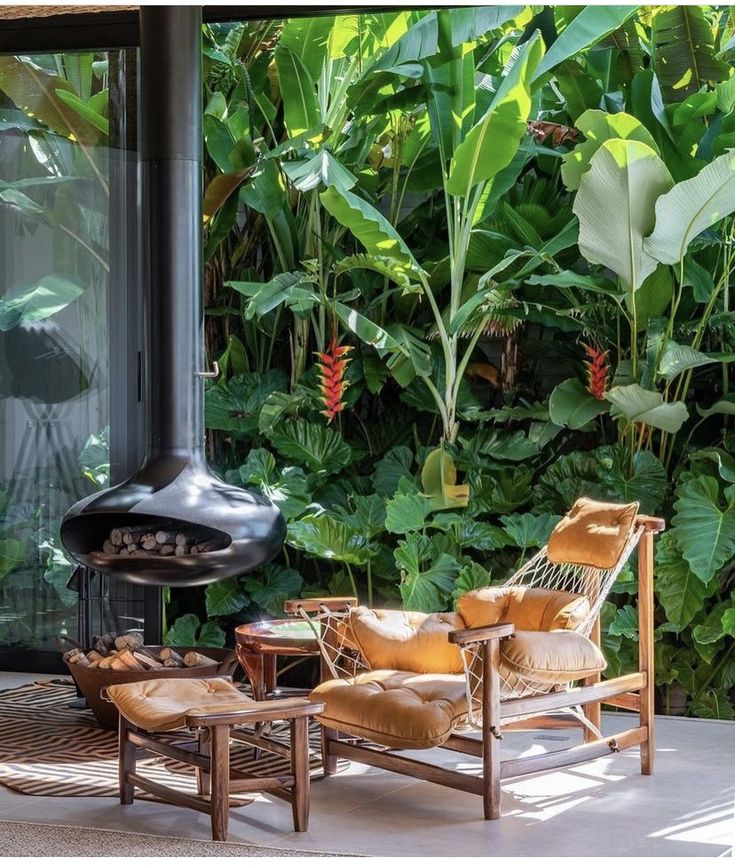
(593, 583)
(539, 572)
(340, 655)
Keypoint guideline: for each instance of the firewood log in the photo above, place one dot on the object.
(94, 656)
(194, 659)
(148, 541)
(126, 660)
(181, 550)
(132, 641)
(109, 547)
(93, 665)
(124, 552)
(194, 548)
(148, 661)
(104, 643)
(167, 550)
(170, 658)
(106, 662)
(69, 654)
(116, 537)
(181, 540)
(81, 660)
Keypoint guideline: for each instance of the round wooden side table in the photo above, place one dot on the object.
(260, 643)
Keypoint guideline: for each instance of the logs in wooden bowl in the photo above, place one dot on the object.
(117, 659)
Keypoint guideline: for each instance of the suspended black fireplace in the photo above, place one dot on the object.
(224, 530)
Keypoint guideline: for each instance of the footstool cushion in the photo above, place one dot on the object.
(162, 705)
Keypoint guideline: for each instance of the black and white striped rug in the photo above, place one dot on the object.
(50, 750)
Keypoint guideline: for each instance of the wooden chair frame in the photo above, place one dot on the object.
(211, 758)
(633, 691)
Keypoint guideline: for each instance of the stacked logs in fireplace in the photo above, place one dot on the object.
(154, 541)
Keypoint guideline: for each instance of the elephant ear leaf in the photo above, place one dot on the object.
(424, 587)
(690, 207)
(616, 208)
(704, 527)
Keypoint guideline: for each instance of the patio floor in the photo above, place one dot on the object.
(603, 808)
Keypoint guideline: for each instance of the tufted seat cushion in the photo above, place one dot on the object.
(395, 708)
(162, 705)
(405, 640)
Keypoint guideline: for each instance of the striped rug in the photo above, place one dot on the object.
(50, 750)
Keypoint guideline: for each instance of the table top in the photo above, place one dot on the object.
(280, 636)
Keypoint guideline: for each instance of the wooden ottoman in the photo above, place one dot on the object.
(214, 709)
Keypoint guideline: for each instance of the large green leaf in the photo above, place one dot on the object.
(429, 589)
(529, 530)
(188, 631)
(640, 406)
(326, 537)
(493, 141)
(451, 79)
(683, 51)
(295, 290)
(288, 488)
(368, 225)
(300, 107)
(44, 298)
(35, 91)
(616, 208)
(319, 448)
(642, 479)
(272, 586)
(406, 512)
(704, 526)
(225, 598)
(390, 469)
(681, 593)
(690, 207)
(591, 25)
(597, 128)
(677, 359)
(308, 39)
(235, 405)
(571, 405)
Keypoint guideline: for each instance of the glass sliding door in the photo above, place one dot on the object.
(57, 128)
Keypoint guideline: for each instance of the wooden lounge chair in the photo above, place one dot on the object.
(524, 655)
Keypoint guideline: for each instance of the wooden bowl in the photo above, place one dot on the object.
(91, 682)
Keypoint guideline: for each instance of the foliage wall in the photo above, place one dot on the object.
(462, 267)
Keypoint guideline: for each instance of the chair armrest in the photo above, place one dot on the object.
(313, 605)
(260, 711)
(651, 524)
(483, 632)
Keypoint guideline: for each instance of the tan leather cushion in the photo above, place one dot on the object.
(162, 705)
(592, 533)
(405, 640)
(394, 708)
(550, 657)
(528, 608)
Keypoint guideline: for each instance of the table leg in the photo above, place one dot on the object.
(253, 665)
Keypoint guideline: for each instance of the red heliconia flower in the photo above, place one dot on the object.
(597, 370)
(332, 383)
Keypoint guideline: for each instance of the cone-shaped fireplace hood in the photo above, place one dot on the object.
(223, 530)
